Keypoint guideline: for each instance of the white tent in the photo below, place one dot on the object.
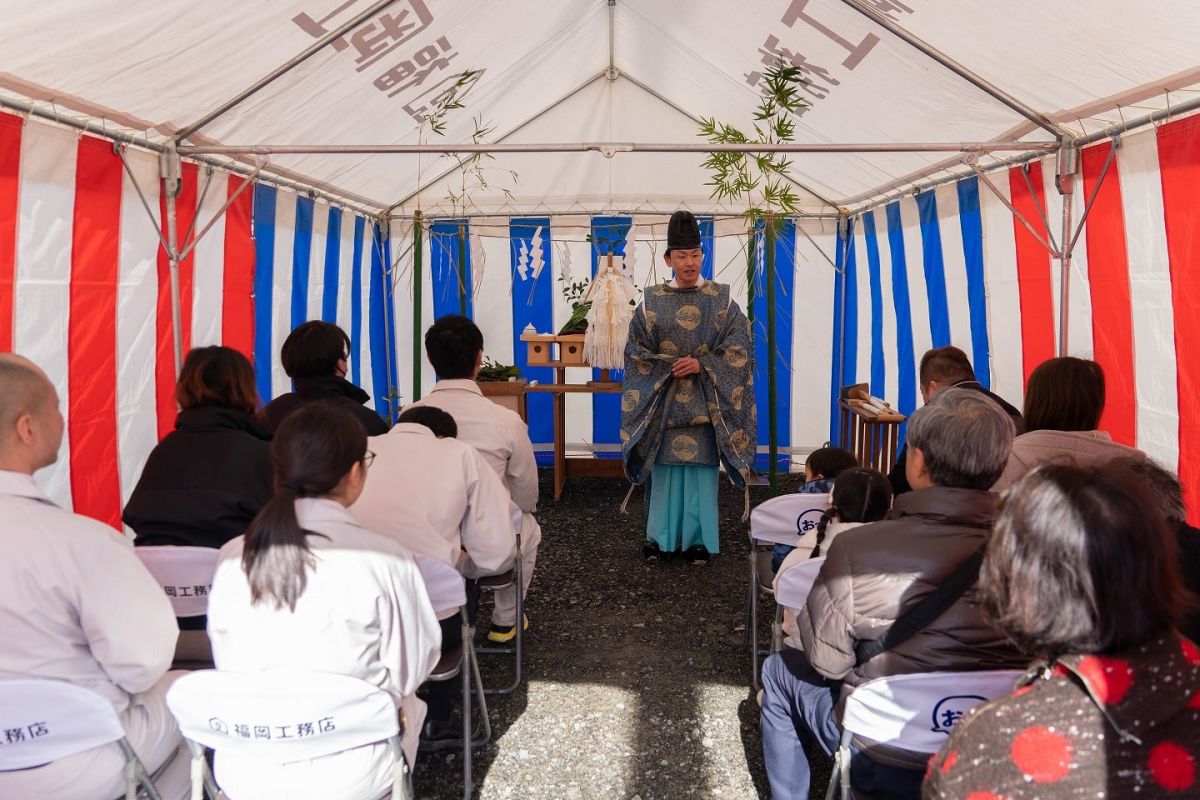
(928, 119)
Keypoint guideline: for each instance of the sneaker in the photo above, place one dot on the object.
(652, 552)
(697, 554)
(506, 633)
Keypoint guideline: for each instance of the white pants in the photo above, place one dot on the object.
(98, 774)
(505, 614)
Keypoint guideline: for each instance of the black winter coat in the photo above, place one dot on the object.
(204, 482)
(332, 389)
(897, 476)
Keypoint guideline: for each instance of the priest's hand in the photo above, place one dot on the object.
(684, 366)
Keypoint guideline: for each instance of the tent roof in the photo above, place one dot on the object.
(155, 68)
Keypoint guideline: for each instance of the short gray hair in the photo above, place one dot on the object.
(965, 438)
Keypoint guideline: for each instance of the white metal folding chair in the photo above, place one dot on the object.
(283, 717)
(447, 590)
(494, 583)
(786, 519)
(186, 575)
(911, 714)
(44, 721)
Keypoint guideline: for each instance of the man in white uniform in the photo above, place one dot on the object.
(77, 605)
(437, 497)
(454, 346)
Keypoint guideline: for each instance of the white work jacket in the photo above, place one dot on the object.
(76, 604)
(364, 613)
(498, 433)
(437, 497)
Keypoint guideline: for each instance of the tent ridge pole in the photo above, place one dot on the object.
(621, 147)
(284, 68)
(1026, 111)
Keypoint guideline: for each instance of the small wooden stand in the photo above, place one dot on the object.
(872, 436)
(561, 346)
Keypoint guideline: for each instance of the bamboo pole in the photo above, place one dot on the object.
(418, 259)
(772, 406)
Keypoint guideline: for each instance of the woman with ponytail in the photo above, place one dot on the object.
(860, 495)
(308, 589)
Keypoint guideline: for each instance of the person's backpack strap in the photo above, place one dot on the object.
(932, 606)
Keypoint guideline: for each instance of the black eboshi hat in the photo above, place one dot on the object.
(683, 232)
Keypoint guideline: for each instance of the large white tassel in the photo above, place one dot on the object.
(478, 262)
(612, 309)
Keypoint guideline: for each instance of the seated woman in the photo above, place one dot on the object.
(307, 588)
(1082, 574)
(859, 496)
(206, 480)
(820, 468)
(1064, 400)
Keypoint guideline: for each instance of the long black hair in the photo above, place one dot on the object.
(312, 451)
(860, 494)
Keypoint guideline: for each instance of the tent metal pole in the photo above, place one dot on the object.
(672, 104)
(1087, 208)
(611, 73)
(361, 205)
(172, 175)
(1026, 111)
(844, 243)
(247, 183)
(1037, 204)
(1068, 160)
(527, 121)
(119, 149)
(604, 212)
(1162, 115)
(609, 149)
(284, 68)
(1017, 215)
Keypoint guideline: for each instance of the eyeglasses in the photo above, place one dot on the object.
(368, 459)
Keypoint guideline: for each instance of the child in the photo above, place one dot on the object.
(860, 495)
(820, 468)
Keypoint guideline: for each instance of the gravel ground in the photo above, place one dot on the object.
(637, 682)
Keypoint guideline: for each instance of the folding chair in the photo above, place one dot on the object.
(786, 519)
(791, 591)
(908, 718)
(494, 583)
(186, 575)
(46, 720)
(283, 717)
(447, 590)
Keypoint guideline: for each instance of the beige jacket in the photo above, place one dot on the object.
(1082, 448)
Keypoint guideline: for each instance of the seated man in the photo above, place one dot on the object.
(454, 346)
(875, 574)
(943, 368)
(438, 498)
(314, 356)
(76, 605)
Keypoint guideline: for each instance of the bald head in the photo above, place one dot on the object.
(30, 422)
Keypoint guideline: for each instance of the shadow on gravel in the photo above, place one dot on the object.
(637, 682)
